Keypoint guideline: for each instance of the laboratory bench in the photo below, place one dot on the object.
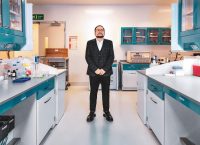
(33, 105)
(172, 107)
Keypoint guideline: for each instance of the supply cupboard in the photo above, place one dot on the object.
(12, 24)
(145, 35)
(189, 24)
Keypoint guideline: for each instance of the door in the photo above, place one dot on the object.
(45, 115)
(155, 113)
(129, 79)
(153, 35)
(141, 96)
(141, 34)
(15, 14)
(127, 36)
(165, 34)
(187, 15)
(51, 35)
(1, 13)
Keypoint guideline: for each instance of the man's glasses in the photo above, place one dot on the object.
(99, 29)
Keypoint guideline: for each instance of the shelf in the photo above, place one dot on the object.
(14, 141)
(166, 36)
(153, 36)
(14, 13)
(141, 36)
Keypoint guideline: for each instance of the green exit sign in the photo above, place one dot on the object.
(38, 16)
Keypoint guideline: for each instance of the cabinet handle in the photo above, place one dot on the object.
(47, 100)
(4, 127)
(22, 99)
(11, 121)
(153, 101)
(180, 98)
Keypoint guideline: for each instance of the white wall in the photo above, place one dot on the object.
(81, 20)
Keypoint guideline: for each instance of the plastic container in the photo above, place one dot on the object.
(196, 70)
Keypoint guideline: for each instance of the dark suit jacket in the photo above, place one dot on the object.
(99, 59)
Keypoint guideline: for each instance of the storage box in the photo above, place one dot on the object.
(10, 120)
(196, 70)
(3, 130)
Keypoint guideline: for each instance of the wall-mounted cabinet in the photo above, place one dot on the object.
(146, 36)
(12, 24)
(189, 24)
(141, 35)
(127, 35)
(0, 13)
(153, 35)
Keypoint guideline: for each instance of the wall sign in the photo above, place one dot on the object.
(38, 16)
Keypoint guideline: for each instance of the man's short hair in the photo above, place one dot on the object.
(99, 26)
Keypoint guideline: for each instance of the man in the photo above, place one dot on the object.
(99, 57)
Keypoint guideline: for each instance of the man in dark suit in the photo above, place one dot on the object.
(99, 56)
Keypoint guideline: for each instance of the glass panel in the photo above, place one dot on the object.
(166, 36)
(153, 35)
(127, 35)
(187, 15)
(16, 14)
(0, 12)
(140, 35)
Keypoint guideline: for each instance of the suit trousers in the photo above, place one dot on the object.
(94, 85)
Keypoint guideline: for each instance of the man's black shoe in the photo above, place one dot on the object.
(108, 116)
(91, 116)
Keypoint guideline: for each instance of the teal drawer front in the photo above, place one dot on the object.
(45, 88)
(114, 65)
(135, 66)
(12, 103)
(183, 100)
(156, 88)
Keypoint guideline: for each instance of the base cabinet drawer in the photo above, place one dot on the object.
(155, 113)
(45, 115)
(129, 80)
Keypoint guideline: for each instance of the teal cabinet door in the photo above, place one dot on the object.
(127, 35)
(141, 35)
(12, 28)
(189, 24)
(187, 14)
(165, 36)
(153, 36)
(1, 13)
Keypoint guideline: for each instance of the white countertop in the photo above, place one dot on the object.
(188, 86)
(9, 90)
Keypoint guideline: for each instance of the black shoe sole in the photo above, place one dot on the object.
(92, 118)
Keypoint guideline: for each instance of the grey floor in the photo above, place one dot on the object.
(127, 128)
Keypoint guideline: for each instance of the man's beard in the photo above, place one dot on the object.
(100, 36)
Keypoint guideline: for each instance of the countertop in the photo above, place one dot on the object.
(189, 86)
(9, 90)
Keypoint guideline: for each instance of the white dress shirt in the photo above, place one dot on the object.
(99, 44)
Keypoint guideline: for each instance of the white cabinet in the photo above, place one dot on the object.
(155, 113)
(141, 96)
(180, 121)
(129, 80)
(45, 115)
(60, 96)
